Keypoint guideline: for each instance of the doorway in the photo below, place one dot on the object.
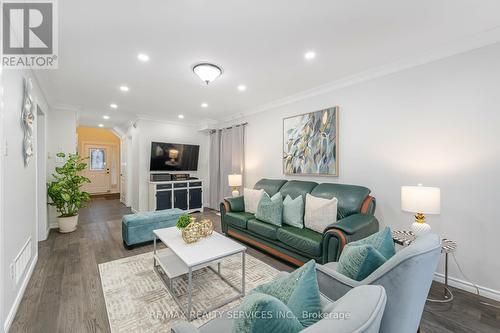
(101, 147)
(41, 176)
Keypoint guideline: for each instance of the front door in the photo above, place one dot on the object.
(98, 170)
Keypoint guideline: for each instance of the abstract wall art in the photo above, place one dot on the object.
(310, 143)
(27, 121)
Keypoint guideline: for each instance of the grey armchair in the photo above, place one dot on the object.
(364, 306)
(406, 277)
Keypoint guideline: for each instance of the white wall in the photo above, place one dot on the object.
(41, 174)
(147, 131)
(19, 196)
(61, 137)
(436, 124)
(2, 208)
(133, 167)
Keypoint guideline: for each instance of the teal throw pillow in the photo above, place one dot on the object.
(293, 211)
(359, 261)
(381, 241)
(299, 291)
(261, 313)
(270, 210)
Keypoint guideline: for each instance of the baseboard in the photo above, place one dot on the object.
(13, 310)
(467, 286)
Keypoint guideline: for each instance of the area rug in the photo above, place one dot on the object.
(138, 301)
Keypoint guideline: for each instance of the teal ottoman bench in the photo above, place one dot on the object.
(138, 228)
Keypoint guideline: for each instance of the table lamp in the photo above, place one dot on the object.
(420, 200)
(235, 181)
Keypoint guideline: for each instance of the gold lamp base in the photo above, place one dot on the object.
(419, 227)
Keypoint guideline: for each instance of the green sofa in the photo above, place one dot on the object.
(355, 220)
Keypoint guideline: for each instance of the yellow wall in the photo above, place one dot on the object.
(96, 135)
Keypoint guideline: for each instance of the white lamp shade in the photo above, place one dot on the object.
(421, 199)
(234, 180)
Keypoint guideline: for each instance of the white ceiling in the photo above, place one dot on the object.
(258, 43)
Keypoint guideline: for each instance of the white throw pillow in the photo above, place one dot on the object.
(320, 213)
(252, 198)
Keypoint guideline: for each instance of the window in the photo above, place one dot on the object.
(97, 159)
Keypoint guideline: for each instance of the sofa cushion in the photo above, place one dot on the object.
(350, 197)
(295, 188)
(304, 240)
(320, 213)
(271, 186)
(252, 198)
(265, 314)
(299, 290)
(293, 212)
(263, 229)
(270, 210)
(238, 219)
(382, 241)
(359, 261)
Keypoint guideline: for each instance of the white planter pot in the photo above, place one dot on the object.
(67, 224)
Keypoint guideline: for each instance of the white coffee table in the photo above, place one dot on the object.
(180, 258)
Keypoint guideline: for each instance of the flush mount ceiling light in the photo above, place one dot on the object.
(113, 106)
(204, 105)
(207, 72)
(242, 87)
(100, 125)
(181, 116)
(124, 88)
(106, 117)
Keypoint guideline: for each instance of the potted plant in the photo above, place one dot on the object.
(183, 221)
(190, 230)
(64, 191)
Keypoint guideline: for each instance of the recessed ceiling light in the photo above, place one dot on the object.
(242, 87)
(204, 105)
(181, 116)
(124, 88)
(113, 106)
(105, 117)
(143, 57)
(101, 125)
(310, 55)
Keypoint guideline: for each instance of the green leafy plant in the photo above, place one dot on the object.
(183, 221)
(64, 191)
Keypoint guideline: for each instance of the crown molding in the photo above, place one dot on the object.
(67, 107)
(185, 122)
(117, 131)
(472, 42)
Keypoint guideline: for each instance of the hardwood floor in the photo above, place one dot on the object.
(65, 295)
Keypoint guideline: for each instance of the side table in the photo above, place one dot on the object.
(404, 238)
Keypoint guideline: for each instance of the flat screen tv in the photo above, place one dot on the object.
(173, 157)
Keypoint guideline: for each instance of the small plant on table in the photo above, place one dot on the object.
(183, 221)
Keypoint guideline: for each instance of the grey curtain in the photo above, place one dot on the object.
(226, 157)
